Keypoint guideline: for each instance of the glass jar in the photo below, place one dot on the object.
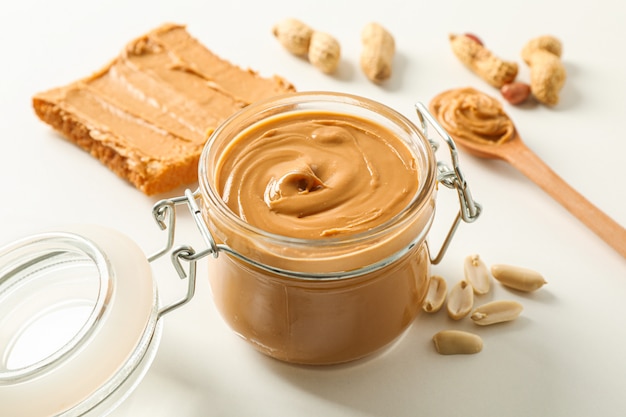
(310, 301)
(323, 300)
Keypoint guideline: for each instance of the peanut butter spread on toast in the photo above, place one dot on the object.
(148, 113)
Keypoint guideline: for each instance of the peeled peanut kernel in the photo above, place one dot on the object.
(496, 312)
(436, 294)
(476, 274)
(455, 342)
(516, 92)
(460, 300)
(518, 278)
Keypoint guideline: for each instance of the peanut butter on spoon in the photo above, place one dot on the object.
(478, 124)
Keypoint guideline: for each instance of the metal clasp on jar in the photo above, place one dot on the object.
(452, 178)
(164, 212)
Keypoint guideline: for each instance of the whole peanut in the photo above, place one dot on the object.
(293, 35)
(547, 72)
(482, 61)
(321, 49)
(379, 48)
(324, 52)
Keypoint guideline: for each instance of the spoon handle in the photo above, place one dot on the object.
(528, 163)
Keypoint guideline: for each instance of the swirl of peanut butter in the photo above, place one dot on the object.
(467, 113)
(317, 175)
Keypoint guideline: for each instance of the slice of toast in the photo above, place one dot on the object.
(148, 113)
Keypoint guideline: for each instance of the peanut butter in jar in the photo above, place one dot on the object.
(323, 202)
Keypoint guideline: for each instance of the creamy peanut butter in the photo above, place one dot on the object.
(469, 114)
(148, 113)
(326, 201)
(317, 175)
(320, 322)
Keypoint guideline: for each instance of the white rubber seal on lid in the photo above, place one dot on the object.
(78, 322)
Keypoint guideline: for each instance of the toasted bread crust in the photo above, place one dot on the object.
(169, 177)
(152, 138)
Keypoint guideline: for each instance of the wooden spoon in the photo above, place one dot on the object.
(515, 152)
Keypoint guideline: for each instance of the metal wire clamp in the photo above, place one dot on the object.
(164, 213)
(452, 178)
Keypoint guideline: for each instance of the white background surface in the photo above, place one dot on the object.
(563, 357)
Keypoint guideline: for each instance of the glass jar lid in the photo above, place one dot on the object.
(78, 321)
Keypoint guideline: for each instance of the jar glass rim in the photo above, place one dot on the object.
(336, 103)
(38, 276)
(33, 265)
